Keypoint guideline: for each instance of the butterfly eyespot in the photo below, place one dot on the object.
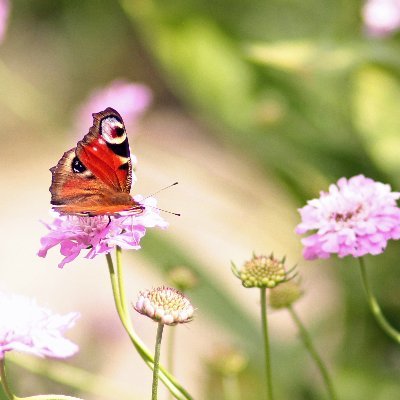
(77, 166)
(112, 130)
(119, 131)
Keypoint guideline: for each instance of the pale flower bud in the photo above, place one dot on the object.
(165, 305)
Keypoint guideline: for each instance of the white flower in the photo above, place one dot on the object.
(26, 327)
(165, 305)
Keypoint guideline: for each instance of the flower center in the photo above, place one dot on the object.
(263, 271)
(346, 217)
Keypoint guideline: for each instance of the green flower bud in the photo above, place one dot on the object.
(285, 295)
(228, 361)
(262, 272)
(182, 278)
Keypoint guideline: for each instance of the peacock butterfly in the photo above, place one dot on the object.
(95, 177)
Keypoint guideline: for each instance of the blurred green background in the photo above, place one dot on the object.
(258, 105)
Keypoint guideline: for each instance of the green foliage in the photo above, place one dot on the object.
(289, 102)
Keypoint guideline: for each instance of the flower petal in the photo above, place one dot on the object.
(356, 217)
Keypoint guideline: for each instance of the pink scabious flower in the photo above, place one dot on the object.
(99, 234)
(130, 99)
(26, 327)
(356, 217)
(381, 17)
(4, 12)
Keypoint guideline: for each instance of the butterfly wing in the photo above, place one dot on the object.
(95, 177)
(105, 150)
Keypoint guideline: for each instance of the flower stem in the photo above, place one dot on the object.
(230, 387)
(170, 350)
(374, 306)
(264, 321)
(157, 361)
(120, 276)
(306, 338)
(118, 290)
(7, 390)
(114, 286)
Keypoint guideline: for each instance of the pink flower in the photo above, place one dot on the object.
(356, 217)
(26, 327)
(4, 12)
(99, 234)
(381, 17)
(129, 99)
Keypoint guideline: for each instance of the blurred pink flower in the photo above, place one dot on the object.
(381, 17)
(129, 99)
(99, 234)
(4, 12)
(26, 327)
(356, 217)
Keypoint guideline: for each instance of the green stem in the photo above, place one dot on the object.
(4, 381)
(264, 321)
(170, 351)
(170, 382)
(230, 387)
(305, 337)
(11, 396)
(375, 308)
(170, 348)
(114, 286)
(120, 276)
(156, 368)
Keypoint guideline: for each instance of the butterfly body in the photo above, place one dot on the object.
(95, 177)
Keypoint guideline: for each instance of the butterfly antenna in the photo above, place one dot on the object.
(160, 190)
(157, 208)
(161, 209)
